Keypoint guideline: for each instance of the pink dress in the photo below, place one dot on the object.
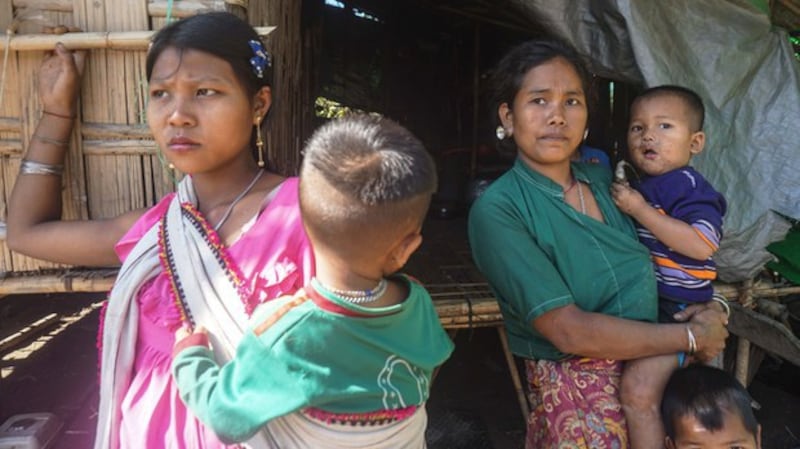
(273, 254)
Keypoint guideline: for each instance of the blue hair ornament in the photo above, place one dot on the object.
(261, 59)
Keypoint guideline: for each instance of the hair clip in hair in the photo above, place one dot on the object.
(261, 60)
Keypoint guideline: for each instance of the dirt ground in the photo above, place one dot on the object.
(473, 404)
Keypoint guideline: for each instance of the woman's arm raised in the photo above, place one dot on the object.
(34, 210)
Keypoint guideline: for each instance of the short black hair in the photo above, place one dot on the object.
(363, 175)
(690, 98)
(507, 77)
(705, 392)
(219, 33)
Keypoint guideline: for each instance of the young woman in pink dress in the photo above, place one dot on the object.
(229, 238)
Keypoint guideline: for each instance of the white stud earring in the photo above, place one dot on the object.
(500, 132)
(586, 134)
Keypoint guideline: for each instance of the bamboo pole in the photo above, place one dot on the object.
(120, 147)
(755, 291)
(181, 9)
(55, 283)
(10, 124)
(13, 147)
(44, 5)
(10, 147)
(110, 40)
(97, 131)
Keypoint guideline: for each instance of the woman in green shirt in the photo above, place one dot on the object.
(576, 289)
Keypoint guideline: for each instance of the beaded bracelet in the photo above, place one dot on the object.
(60, 143)
(65, 117)
(692, 340)
(37, 168)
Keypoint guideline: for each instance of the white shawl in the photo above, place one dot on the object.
(208, 294)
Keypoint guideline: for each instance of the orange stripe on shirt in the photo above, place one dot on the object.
(705, 239)
(699, 274)
(299, 298)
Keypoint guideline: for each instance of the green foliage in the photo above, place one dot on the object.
(326, 108)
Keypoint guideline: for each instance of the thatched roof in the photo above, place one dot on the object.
(786, 14)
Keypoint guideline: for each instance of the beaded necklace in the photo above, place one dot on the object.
(353, 296)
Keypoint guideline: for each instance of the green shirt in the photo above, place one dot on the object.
(316, 356)
(538, 253)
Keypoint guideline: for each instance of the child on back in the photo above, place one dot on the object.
(679, 218)
(347, 361)
(706, 408)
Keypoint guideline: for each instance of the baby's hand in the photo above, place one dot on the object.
(627, 199)
(185, 336)
(60, 78)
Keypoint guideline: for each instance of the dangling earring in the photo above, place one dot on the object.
(500, 132)
(171, 166)
(586, 134)
(259, 143)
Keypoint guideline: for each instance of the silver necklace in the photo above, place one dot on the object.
(580, 198)
(353, 296)
(236, 200)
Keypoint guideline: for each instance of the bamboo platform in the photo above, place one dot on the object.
(466, 304)
(463, 299)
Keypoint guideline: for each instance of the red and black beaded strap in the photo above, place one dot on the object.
(211, 237)
(236, 277)
(167, 259)
(375, 418)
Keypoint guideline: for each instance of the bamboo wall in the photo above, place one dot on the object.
(113, 164)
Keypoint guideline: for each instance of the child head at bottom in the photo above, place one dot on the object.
(704, 407)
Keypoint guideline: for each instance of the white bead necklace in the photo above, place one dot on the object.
(353, 296)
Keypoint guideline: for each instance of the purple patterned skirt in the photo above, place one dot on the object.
(575, 404)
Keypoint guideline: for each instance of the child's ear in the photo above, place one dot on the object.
(697, 143)
(403, 251)
(668, 443)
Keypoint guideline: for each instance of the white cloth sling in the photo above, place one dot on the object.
(209, 294)
(298, 431)
(212, 300)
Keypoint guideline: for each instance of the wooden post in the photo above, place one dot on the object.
(512, 368)
(742, 360)
(742, 368)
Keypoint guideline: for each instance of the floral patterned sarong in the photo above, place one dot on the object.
(575, 404)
